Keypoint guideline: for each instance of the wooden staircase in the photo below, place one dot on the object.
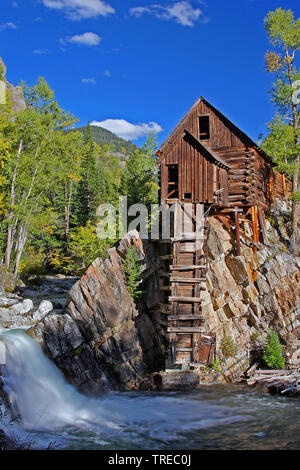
(182, 280)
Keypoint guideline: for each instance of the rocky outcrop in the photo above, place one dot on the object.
(103, 335)
(248, 294)
(15, 93)
(18, 313)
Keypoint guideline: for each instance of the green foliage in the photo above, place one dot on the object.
(52, 180)
(139, 181)
(282, 141)
(104, 137)
(83, 248)
(228, 347)
(216, 365)
(132, 269)
(283, 30)
(88, 197)
(33, 262)
(86, 246)
(280, 144)
(273, 351)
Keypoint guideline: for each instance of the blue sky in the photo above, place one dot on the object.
(139, 65)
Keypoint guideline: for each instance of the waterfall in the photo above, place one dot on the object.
(48, 406)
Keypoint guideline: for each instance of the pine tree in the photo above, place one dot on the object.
(273, 353)
(87, 198)
(132, 270)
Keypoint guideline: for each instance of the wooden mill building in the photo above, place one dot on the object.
(207, 166)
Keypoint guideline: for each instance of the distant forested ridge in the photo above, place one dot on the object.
(104, 137)
(53, 177)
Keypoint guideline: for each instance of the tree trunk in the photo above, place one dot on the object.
(295, 208)
(68, 210)
(20, 247)
(9, 237)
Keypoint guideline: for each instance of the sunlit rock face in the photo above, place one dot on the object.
(15, 93)
(105, 339)
(248, 294)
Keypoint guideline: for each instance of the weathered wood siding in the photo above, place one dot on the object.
(251, 179)
(198, 176)
(220, 134)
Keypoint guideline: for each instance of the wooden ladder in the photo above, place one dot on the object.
(187, 279)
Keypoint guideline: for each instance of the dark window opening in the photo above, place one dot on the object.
(187, 195)
(172, 182)
(204, 133)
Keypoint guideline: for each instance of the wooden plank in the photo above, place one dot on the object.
(185, 317)
(237, 231)
(189, 238)
(185, 280)
(185, 299)
(184, 329)
(166, 257)
(187, 268)
(262, 226)
(163, 274)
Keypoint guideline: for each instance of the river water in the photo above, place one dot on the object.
(51, 412)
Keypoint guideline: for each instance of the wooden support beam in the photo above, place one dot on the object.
(166, 257)
(184, 349)
(237, 232)
(188, 238)
(187, 268)
(185, 280)
(262, 226)
(184, 329)
(185, 299)
(185, 317)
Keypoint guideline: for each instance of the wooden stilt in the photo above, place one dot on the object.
(237, 232)
(262, 226)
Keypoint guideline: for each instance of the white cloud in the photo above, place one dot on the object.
(89, 80)
(39, 51)
(8, 25)
(81, 9)
(139, 11)
(86, 39)
(107, 73)
(182, 12)
(127, 130)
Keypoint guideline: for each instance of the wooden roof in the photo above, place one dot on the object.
(244, 137)
(206, 152)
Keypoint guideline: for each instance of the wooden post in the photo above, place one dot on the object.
(284, 185)
(262, 226)
(237, 231)
(253, 226)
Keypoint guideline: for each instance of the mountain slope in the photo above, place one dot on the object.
(104, 137)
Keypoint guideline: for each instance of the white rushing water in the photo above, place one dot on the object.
(52, 410)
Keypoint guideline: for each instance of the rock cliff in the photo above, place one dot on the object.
(15, 92)
(103, 338)
(102, 335)
(248, 294)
